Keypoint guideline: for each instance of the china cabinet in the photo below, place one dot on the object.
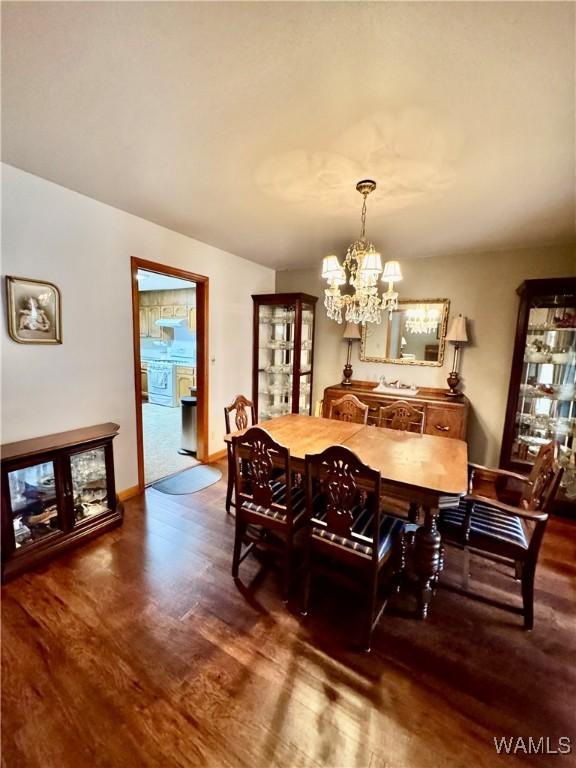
(57, 491)
(542, 394)
(283, 353)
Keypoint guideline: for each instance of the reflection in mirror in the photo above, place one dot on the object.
(412, 335)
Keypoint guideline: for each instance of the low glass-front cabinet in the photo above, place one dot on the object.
(283, 354)
(542, 394)
(56, 491)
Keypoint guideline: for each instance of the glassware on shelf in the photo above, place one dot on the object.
(89, 483)
(283, 340)
(33, 500)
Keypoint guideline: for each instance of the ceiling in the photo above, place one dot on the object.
(247, 125)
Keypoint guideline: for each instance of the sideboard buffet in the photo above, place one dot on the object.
(444, 415)
(57, 491)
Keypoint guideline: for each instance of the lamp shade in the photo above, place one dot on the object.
(457, 331)
(392, 272)
(351, 331)
(330, 267)
(371, 263)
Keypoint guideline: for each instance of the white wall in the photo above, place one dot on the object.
(84, 247)
(481, 286)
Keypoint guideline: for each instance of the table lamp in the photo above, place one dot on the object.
(456, 335)
(351, 333)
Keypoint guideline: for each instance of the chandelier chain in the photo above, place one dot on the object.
(363, 217)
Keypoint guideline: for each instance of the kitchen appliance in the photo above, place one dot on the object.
(162, 383)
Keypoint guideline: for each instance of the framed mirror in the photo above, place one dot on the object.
(414, 334)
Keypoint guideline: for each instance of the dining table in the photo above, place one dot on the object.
(414, 467)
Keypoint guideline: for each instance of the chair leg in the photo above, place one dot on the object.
(528, 597)
(307, 579)
(238, 538)
(466, 569)
(287, 579)
(230, 486)
(413, 510)
(373, 599)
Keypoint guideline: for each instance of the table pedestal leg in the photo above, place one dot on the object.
(427, 558)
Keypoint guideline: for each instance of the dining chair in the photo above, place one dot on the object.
(345, 526)
(349, 408)
(503, 517)
(265, 505)
(239, 408)
(401, 415)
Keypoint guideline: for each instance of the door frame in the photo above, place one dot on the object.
(202, 306)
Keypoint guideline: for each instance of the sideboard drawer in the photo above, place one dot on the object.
(443, 421)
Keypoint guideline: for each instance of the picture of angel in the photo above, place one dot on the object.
(33, 311)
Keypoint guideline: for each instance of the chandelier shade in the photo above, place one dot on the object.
(422, 319)
(360, 270)
(392, 272)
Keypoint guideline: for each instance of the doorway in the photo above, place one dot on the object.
(170, 326)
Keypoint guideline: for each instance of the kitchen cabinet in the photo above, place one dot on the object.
(185, 380)
(143, 312)
(154, 332)
(167, 311)
(283, 353)
(192, 319)
(144, 380)
(57, 491)
(542, 392)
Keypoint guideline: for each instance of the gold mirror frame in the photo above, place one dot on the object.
(441, 342)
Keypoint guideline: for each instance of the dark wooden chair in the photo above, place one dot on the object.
(349, 408)
(264, 504)
(401, 415)
(239, 408)
(345, 526)
(503, 517)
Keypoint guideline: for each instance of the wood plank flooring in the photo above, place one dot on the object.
(139, 650)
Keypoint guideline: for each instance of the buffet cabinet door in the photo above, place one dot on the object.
(89, 484)
(33, 505)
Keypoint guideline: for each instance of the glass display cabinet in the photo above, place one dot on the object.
(56, 491)
(283, 354)
(542, 395)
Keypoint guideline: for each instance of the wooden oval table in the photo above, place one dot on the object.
(413, 467)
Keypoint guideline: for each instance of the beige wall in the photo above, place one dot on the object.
(84, 246)
(481, 286)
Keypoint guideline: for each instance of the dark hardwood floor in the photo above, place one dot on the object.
(139, 650)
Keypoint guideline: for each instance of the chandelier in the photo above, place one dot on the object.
(360, 272)
(422, 319)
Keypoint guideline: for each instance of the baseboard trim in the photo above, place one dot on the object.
(216, 456)
(128, 493)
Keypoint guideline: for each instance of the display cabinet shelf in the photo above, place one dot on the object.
(545, 329)
(57, 491)
(283, 353)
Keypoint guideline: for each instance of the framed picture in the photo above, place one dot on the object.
(34, 312)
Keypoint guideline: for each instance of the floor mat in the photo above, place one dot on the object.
(190, 480)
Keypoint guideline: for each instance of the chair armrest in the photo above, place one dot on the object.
(526, 514)
(492, 473)
(496, 483)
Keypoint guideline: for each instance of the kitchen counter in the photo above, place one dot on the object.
(164, 359)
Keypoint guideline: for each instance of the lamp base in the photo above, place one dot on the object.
(347, 375)
(453, 380)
